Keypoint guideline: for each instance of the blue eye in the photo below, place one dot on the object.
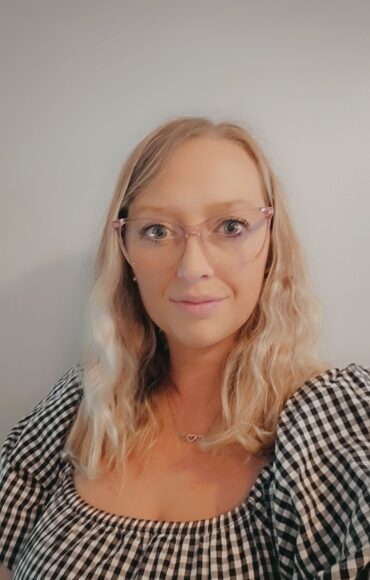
(145, 230)
(157, 226)
(240, 222)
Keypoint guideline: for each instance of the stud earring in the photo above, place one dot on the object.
(133, 279)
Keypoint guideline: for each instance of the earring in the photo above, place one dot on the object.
(133, 279)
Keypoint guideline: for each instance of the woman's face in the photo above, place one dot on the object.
(202, 172)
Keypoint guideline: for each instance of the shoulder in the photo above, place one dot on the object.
(330, 409)
(320, 498)
(33, 445)
(30, 463)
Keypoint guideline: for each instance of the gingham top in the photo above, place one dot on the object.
(307, 515)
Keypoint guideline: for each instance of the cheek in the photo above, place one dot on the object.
(249, 286)
(151, 294)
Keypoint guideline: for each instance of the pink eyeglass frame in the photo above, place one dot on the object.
(196, 229)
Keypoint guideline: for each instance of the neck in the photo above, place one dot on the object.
(195, 375)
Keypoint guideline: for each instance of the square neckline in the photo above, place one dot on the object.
(196, 527)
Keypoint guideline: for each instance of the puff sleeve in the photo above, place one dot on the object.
(320, 496)
(30, 463)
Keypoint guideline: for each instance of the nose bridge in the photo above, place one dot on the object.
(197, 233)
(195, 230)
(198, 266)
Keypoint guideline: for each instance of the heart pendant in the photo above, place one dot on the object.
(191, 437)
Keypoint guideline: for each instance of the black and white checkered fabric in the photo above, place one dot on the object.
(307, 516)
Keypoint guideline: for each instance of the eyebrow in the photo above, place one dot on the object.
(222, 205)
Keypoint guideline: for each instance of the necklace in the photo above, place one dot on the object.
(185, 437)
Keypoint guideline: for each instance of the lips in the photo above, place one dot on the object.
(197, 299)
(204, 308)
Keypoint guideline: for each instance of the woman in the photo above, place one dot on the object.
(202, 436)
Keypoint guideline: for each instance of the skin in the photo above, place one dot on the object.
(222, 171)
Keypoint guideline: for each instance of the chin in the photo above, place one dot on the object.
(200, 342)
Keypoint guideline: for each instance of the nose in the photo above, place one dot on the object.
(194, 262)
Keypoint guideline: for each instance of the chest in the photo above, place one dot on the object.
(173, 488)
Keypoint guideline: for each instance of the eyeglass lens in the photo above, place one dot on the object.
(154, 245)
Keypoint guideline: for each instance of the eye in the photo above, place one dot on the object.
(243, 224)
(144, 231)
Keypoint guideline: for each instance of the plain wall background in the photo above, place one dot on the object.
(83, 81)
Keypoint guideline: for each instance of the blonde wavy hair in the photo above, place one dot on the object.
(126, 362)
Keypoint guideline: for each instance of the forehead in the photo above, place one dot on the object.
(203, 175)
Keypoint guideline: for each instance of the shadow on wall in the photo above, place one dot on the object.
(42, 318)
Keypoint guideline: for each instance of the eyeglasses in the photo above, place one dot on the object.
(154, 246)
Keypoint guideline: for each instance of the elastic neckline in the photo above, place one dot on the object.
(194, 527)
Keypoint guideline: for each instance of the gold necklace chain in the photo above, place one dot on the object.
(188, 437)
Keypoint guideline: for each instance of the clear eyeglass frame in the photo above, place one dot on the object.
(197, 229)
